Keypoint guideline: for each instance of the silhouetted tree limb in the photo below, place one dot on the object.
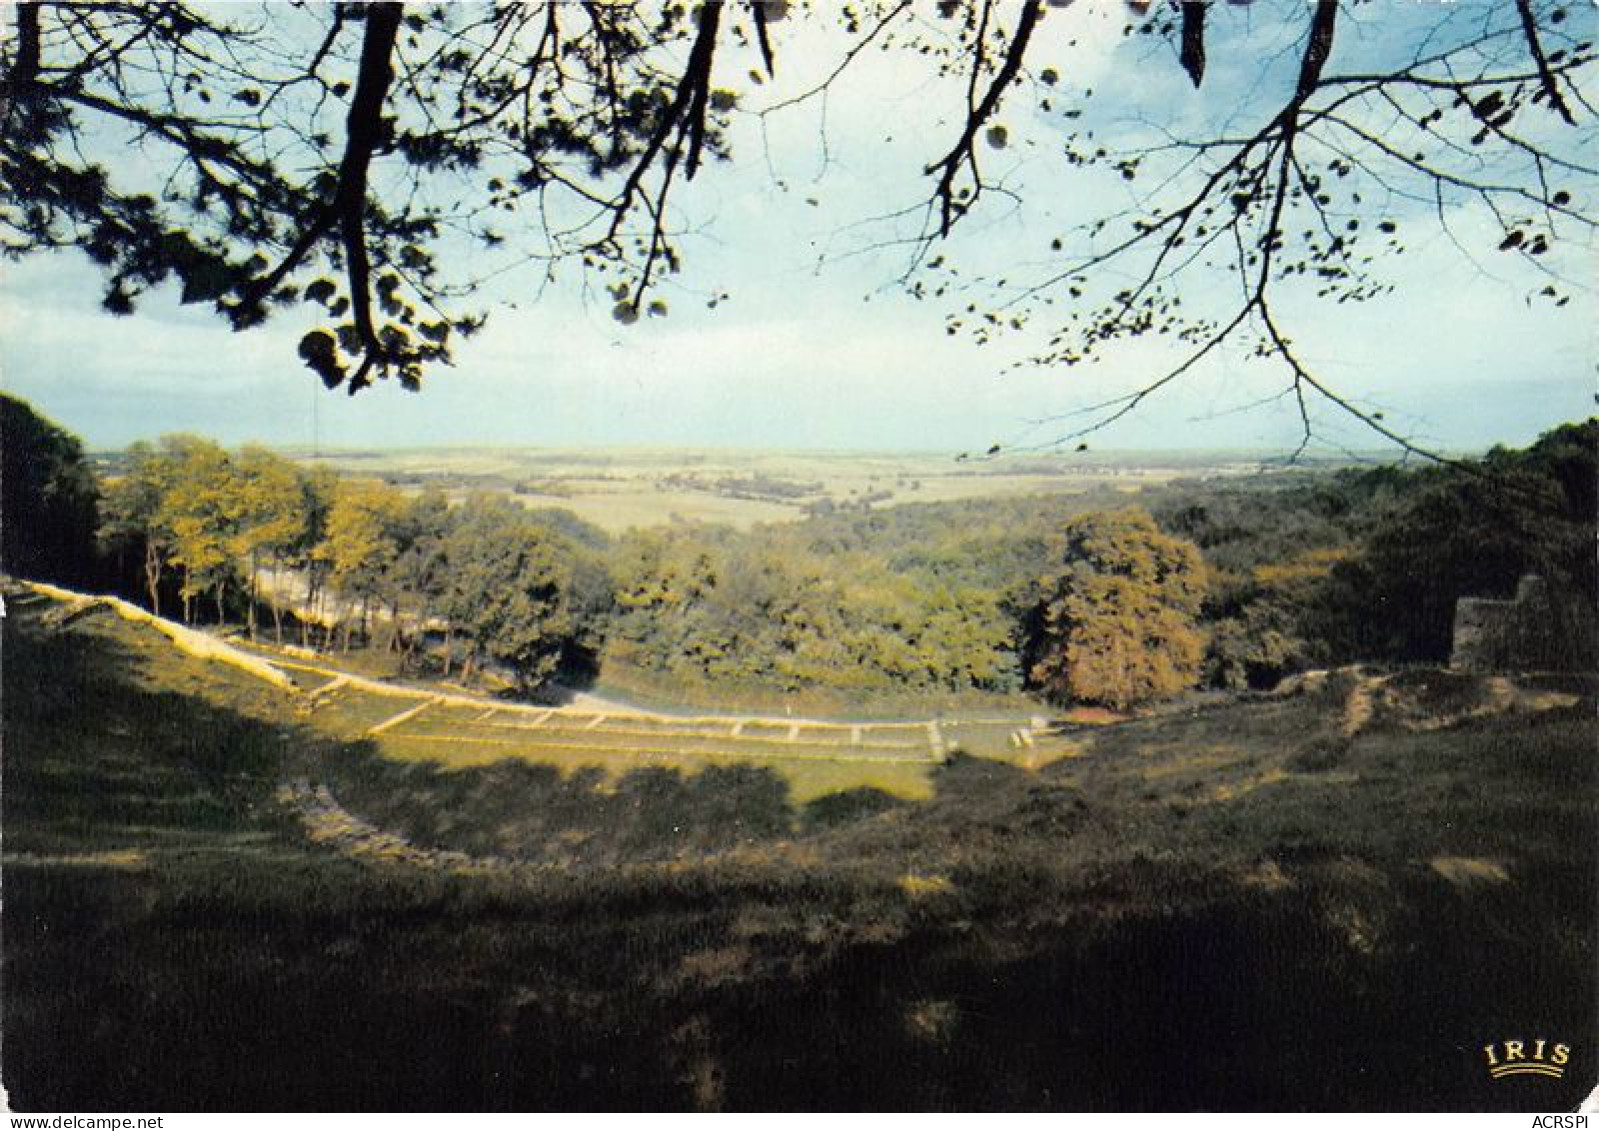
(763, 37)
(25, 68)
(386, 177)
(346, 205)
(1192, 56)
(1551, 89)
(1264, 202)
(964, 153)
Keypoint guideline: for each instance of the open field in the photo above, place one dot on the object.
(1330, 898)
(626, 488)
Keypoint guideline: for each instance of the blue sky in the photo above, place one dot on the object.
(817, 347)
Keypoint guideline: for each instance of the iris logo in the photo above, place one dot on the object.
(1526, 1058)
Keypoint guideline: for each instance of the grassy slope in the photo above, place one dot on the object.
(1231, 908)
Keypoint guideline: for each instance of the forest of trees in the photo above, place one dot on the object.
(352, 559)
(1230, 584)
(1073, 599)
(1368, 565)
(781, 608)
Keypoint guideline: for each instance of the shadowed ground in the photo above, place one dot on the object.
(1282, 903)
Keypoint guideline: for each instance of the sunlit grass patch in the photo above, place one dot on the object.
(932, 1021)
(918, 886)
(123, 859)
(985, 739)
(578, 735)
(1464, 871)
(813, 760)
(1093, 716)
(350, 712)
(1018, 745)
(809, 780)
(1229, 790)
(808, 776)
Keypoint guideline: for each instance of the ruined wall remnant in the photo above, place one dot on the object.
(1523, 633)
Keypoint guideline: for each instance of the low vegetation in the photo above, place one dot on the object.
(1283, 902)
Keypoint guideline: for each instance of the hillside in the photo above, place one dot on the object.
(1327, 898)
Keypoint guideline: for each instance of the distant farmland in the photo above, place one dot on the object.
(622, 489)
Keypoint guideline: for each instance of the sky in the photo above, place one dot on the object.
(818, 347)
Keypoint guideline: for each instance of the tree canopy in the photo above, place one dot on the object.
(1460, 533)
(1117, 623)
(386, 161)
(48, 498)
(1234, 581)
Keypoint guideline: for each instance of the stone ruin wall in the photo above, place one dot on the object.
(1522, 634)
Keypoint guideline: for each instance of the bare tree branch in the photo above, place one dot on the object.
(849, 57)
(963, 154)
(758, 10)
(1551, 89)
(685, 113)
(1192, 57)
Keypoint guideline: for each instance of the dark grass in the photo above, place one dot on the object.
(97, 758)
(535, 812)
(1105, 935)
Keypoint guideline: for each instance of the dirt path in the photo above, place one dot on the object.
(1361, 704)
